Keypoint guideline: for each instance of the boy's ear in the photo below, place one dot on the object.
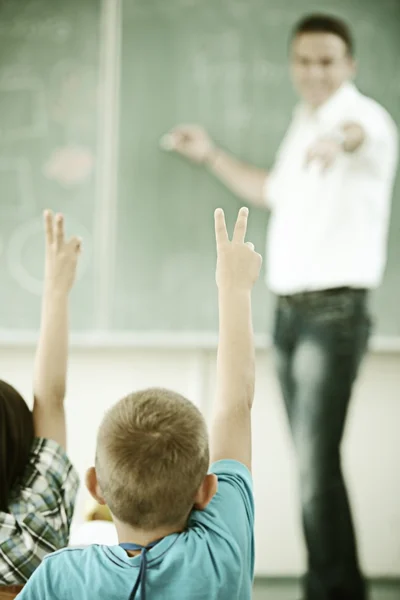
(92, 485)
(206, 492)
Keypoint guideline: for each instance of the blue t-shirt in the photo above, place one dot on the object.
(212, 559)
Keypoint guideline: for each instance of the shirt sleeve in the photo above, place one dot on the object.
(231, 512)
(380, 147)
(41, 510)
(51, 474)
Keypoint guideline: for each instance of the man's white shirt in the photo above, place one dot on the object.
(329, 228)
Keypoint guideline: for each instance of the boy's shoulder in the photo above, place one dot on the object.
(233, 471)
(71, 564)
(230, 465)
(232, 505)
(73, 555)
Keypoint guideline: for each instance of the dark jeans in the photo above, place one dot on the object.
(320, 339)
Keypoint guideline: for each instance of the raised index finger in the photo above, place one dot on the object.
(221, 234)
(241, 226)
(49, 227)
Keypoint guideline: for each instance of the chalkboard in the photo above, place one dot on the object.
(49, 53)
(75, 141)
(223, 65)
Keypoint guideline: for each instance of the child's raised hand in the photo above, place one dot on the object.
(61, 256)
(238, 265)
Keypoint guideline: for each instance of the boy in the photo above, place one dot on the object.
(185, 532)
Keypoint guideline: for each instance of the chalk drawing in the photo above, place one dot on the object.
(22, 97)
(27, 238)
(69, 166)
(16, 187)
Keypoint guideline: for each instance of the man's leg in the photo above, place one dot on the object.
(317, 378)
(285, 336)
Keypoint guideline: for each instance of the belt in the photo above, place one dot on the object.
(315, 294)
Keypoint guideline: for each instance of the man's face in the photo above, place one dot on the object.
(320, 64)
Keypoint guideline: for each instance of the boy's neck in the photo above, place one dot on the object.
(132, 535)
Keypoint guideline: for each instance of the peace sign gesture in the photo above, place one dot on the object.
(238, 265)
(61, 255)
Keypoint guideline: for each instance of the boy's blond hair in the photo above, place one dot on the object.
(152, 455)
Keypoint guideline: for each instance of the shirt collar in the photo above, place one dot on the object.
(334, 105)
(119, 557)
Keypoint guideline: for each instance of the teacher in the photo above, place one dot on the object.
(329, 194)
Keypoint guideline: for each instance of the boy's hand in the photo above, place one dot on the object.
(192, 142)
(61, 256)
(238, 265)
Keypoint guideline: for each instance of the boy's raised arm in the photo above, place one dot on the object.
(238, 267)
(52, 351)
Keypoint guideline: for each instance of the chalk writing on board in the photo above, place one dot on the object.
(188, 3)
(17, 185)
(69, 166)
(237, 118)
(230, 77)
(207, 71)
(237, 9)
(27, 239)
(73, 95)
(22, 108)
(42, 27)
(229, 43)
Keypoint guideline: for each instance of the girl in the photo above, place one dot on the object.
(38, 484)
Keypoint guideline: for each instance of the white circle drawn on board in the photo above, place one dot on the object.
(62, 32)
(32, 230)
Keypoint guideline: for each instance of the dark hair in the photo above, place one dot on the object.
(320, 23)
(16, 438)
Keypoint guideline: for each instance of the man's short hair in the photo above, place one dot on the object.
(152, 455)
(321, 23)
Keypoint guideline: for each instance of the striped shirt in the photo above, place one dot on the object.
(40, 512)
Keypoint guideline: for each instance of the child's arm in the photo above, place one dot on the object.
(238, 267)
(52, 351)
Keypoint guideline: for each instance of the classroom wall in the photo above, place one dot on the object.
(371, 451)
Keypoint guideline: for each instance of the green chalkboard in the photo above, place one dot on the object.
(49, 53)
(223, 65)
(74, 139)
